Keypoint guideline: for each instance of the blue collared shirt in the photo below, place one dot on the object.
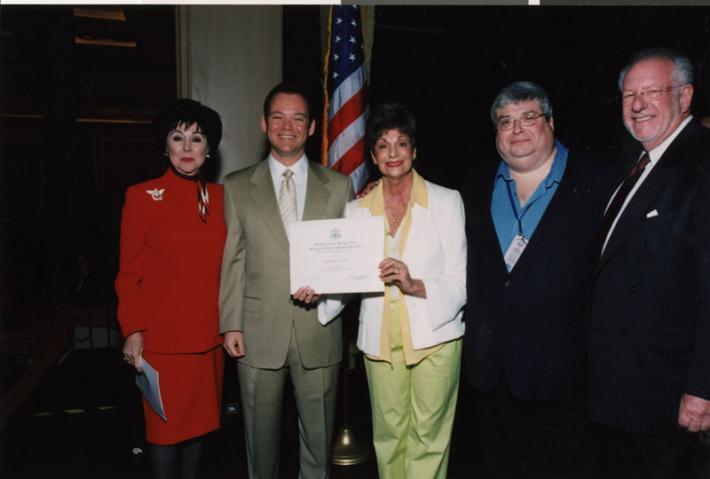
(505, 205)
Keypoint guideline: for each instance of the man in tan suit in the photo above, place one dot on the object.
(272, 334)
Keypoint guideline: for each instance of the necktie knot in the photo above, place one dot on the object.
(287, 174)
(640, 165)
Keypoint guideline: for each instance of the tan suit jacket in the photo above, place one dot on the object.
(254, 290)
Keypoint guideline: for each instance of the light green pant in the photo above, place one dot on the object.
(413, 412)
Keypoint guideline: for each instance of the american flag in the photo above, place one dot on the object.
(345, 102)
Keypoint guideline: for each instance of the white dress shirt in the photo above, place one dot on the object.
(654, 155)
(300, 179)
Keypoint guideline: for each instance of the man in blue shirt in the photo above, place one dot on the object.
(531, 219)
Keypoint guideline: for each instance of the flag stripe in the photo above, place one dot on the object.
(345, 95)
(359, 176)
(351, 159)
(350, 87)
(349, 112)
(347, 139)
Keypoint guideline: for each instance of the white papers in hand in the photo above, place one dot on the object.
(149, 384)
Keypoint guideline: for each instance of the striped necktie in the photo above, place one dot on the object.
(287, 199)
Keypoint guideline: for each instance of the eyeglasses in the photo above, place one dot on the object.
(649, 94)
(526, 119)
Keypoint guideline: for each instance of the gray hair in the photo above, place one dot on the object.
(682, 67)
(520, 91)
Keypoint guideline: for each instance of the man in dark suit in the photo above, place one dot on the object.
(531, 216)
(273, 334)
(649, 338)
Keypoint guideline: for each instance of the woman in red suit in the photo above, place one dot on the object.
(172, 236)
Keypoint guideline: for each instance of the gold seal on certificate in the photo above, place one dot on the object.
(337, 256)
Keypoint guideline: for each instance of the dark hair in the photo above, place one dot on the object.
(185, 111)
(518, 92)
(288, 89)
(682, 66)
(390, 116)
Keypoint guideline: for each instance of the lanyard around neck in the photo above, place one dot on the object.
(513, 206)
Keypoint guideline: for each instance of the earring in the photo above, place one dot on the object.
(165, 153)
(207, 155)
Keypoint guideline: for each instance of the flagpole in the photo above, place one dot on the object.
(326, 96)
(348, 449)
(344, 113)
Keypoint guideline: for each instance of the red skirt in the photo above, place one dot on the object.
(191, 389)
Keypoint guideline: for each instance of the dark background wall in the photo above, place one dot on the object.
(78, 89)
(449, 63)
(75, 112)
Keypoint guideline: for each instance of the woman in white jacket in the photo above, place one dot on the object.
(411, 334)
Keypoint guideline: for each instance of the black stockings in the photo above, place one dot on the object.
(165, 459)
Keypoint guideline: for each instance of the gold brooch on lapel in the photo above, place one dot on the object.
(156, 194)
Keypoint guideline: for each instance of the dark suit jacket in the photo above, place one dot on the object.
(528, 326)
(649, 339)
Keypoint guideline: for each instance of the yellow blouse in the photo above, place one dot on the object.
(395, 334)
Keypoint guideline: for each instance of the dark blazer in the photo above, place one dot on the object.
(528, 326)
(649, 339)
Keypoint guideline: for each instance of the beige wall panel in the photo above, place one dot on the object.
(230, 57)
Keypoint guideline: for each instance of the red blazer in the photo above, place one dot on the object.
(168, 282)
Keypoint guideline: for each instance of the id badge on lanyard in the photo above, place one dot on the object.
(517, 246)
(514, 251)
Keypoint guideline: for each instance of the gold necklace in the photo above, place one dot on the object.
(391, 209)
(395, 216)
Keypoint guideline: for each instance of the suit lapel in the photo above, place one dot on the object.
(317, 195)
(635, 211)
(264, 198)
(554, 214)
(490, 236)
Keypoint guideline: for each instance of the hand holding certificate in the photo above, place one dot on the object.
(337, 256)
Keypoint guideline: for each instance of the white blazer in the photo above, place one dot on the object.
(435, 253)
